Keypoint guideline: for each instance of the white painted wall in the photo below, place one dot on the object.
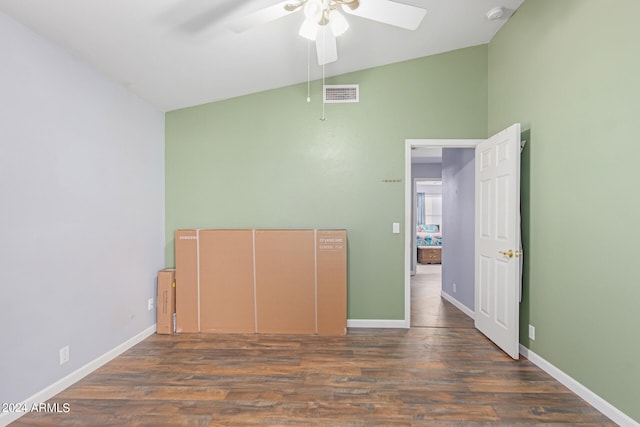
(81, 212)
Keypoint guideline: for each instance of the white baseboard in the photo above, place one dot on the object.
(460, 306)
(374, 323)
(75, 376)
(593, 399)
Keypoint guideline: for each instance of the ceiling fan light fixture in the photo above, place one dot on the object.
(309, 30)
(351, 4)
(313, 10)
(339, 24)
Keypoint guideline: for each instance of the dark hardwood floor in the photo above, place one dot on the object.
(441, 372)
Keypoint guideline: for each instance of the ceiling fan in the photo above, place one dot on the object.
(323, 21)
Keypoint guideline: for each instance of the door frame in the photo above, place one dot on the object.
(408, 197)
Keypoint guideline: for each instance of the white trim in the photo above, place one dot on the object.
(408, 252)
(408, 143)
(589, 396)
(444, 143)
(460, 306)
(376, 323)
(60, 385)
(414, 246)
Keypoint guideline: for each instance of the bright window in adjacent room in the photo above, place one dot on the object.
(429, 203)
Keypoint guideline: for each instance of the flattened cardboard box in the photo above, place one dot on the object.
(166, 301)
(331, 262)
(226, 281)
(285, 282)
(261, 281)
(187, 293)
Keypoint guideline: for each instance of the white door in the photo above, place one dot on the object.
(497, 239)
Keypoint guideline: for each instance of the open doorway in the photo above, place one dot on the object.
(492, 292)
(426, 182)
(426, 280)
(424, 162)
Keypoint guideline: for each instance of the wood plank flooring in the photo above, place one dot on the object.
(444, 373)
(428, 309)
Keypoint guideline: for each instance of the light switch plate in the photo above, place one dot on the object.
(396, 228)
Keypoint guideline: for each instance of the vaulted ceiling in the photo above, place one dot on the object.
(179, 53)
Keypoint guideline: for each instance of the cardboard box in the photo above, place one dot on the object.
(261, 281)
(227, 300)
(187, 282)
(166, 301)
(331, 260)
(285, 281)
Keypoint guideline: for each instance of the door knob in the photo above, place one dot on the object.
(510, 253)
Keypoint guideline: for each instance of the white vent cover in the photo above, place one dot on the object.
(334, 94)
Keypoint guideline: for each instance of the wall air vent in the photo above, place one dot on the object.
(334, 94)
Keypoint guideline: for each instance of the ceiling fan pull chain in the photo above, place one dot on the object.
(308, 72)
(323, 118)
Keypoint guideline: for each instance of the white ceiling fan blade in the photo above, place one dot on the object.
(259, 17)
(389, 12)
(326, 46)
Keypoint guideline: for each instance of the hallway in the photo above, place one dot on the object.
(428, 308)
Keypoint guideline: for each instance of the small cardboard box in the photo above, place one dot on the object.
(166, 301)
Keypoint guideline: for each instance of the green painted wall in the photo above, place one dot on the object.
(569, 71)
(266, 160)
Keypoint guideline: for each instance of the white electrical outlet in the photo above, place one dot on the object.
(455, 288)
(150, 304)
(64, 354)
(532, 332)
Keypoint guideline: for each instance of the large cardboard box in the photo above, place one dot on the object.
(331, 260)
(227, 300)
(285, 281)
(166, 301)
(261, 281)
(187, 281)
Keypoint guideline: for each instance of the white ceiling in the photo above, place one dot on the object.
(426, 155)
(179, 53)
